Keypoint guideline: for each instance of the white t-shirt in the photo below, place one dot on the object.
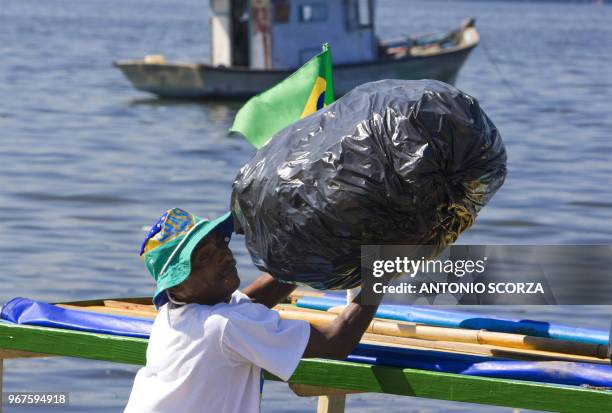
(209, 358)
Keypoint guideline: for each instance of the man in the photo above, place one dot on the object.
(210, 341)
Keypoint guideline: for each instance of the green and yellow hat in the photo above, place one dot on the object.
(166, 250)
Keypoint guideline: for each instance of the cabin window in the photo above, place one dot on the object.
(364, 13)
(220, 6)
(358, 15)
(281, 11)
(316, 12)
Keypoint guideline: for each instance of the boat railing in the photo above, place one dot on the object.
(424, 44)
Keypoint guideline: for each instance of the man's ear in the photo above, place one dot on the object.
(180, 292)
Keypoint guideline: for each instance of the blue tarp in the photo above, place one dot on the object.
(554, 372)
(459, 319)
(25, 311)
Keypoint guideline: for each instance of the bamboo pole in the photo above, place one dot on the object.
(482, 337)
(476, 349)
(297, 294)
(500, 342)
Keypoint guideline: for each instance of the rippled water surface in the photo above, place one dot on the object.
(86, 161)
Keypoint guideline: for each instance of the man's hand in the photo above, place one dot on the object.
(267, 291)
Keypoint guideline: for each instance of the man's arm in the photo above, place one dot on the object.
(338, 339)
(267, 291)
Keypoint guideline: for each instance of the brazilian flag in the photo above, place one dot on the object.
(307, 90)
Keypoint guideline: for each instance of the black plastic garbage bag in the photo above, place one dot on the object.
(391, 162)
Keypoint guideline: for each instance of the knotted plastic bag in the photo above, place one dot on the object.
(391, 162)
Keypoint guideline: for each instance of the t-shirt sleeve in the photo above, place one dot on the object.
(239, 297)
(256, 334)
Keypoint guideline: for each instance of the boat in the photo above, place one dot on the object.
(256, 44)
(399, 358)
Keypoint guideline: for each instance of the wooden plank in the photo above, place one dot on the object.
(331, 404)
(18, 354)
(334, 374)
(73, 343)
(305, 390)
(130, 306)
(101, 309)
(100, 301)
(453, 387)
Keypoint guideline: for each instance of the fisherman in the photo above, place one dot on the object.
(210, 341)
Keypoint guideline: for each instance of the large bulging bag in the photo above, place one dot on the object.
(391, 162)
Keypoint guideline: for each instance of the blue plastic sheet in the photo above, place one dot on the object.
(25, 311)
(554, 372)
(473, 321)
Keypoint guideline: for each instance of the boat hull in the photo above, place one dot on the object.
(201, 81)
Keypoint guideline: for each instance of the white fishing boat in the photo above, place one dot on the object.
(257, 43)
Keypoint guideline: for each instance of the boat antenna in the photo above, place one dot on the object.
(504, 80)
(610, 343)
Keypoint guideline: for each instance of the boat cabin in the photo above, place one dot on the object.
(284, 34)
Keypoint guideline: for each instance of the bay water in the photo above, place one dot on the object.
(87, 162)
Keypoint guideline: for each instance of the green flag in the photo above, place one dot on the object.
(304, 92)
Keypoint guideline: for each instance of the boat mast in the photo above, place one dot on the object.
(219, 22)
